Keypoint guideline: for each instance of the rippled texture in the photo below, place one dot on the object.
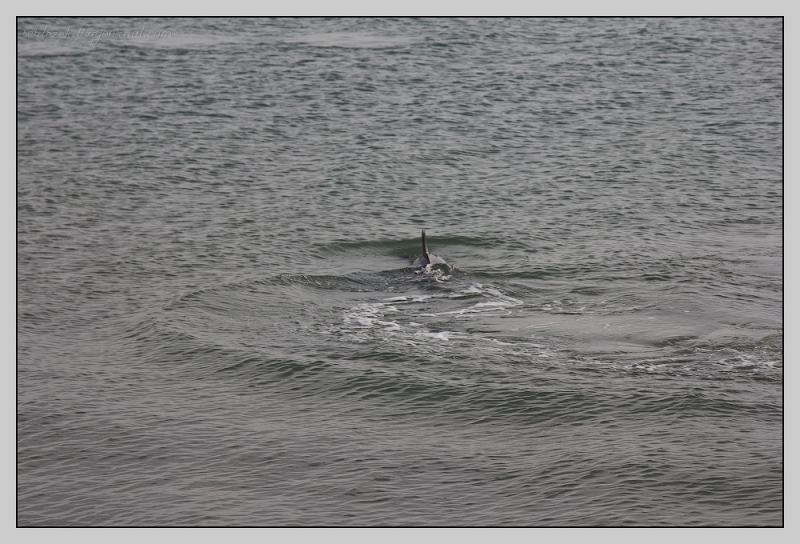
(218, 324)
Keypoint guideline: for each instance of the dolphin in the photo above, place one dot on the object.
(427, 257)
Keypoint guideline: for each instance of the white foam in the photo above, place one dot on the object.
(370, 318)
(443, 335)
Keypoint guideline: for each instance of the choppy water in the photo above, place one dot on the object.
(217, 324)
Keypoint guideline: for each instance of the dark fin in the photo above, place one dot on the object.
(425, 250)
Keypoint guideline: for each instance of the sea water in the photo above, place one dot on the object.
(218, 323)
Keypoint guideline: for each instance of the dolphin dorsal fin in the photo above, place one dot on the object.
(425, 250)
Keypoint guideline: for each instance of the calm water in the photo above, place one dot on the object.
(218, 324)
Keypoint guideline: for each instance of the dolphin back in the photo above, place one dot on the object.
(427, 257)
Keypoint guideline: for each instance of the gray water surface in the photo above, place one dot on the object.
(218, 323)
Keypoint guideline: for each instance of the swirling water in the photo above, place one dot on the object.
(218, 325)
